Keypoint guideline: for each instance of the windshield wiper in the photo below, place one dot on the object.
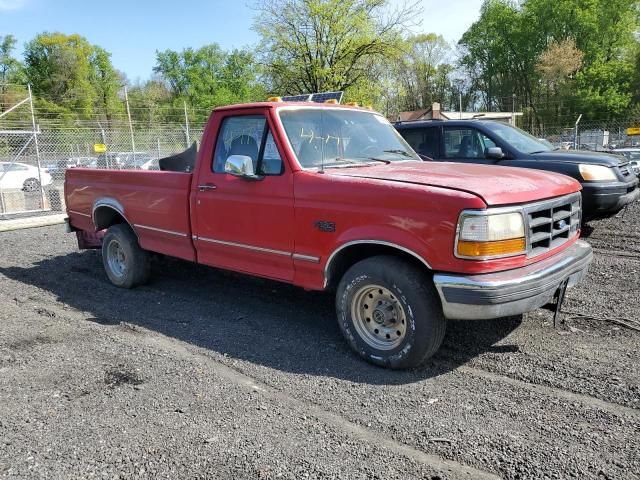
(350, 162)
(404, 153)
(381, 160)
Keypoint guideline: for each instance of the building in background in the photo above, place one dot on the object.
(434, 112)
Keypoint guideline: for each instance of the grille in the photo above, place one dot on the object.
(552, 223)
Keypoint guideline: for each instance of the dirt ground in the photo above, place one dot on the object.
(208, 374)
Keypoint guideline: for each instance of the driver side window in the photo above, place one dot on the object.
(249, 136)
(466, 143)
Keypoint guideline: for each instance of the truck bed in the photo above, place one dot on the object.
(155, 203)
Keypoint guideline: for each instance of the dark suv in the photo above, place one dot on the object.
(608, 182)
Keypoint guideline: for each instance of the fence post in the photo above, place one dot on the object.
(35, 142)
(575, 133)
(186, 123)
(133, 141)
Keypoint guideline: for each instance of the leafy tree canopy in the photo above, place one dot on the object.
(324, 45)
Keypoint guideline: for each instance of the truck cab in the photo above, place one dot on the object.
(330, 197)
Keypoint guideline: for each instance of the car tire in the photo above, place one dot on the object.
(125, 263)
(390, 313)
(31, 185)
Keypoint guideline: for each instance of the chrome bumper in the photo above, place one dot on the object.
(495, 295)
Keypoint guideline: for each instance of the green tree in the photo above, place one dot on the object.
(424, 70)
(209, 76)
(557, 66)
(58, 67)
(106, 83)
(151, 103)
(11, 73)
(603, 30)
(10, 67)
(502, 53)
(320, 45)
(71, 77)
(635, 86)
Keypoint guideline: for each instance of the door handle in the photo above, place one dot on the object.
(206, 186)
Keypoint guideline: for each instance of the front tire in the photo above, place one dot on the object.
(125, 263)
(390, 313)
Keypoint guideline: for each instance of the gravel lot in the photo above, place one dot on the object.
(208, 374)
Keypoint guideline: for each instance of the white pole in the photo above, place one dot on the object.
(575, 133)
(186, 123)
(35, 141)
(460, 104)
(133, 141)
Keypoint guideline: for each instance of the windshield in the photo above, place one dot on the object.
(519, 139)
(339, 137)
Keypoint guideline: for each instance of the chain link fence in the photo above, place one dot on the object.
(605, 136)
(32, 178)
(38, 146)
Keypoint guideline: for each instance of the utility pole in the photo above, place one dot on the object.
(133, 140)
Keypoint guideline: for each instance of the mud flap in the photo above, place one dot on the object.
(559, 297)
(90, 240)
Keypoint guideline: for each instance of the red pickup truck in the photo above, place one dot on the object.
(331, 197)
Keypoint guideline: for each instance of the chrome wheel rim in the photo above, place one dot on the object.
(30, 185)
(116, 259)
(378, 317)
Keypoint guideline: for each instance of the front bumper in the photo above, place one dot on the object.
(513, 292)
(607, 199)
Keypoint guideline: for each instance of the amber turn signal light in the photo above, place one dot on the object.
(496, 248)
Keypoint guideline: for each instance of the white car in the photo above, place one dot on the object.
(20, 176)
(151, 165)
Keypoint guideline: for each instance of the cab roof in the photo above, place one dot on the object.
(267, 104)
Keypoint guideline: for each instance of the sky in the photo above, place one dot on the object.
(133, 30)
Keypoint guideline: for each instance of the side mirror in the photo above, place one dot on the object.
(240, 166)
(494, 152)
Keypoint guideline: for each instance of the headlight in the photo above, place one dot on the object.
(596, 172)
(483, 235)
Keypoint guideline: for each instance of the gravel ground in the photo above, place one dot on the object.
(208, 374)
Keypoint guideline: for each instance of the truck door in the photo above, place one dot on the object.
(467, 145)
(246, 224)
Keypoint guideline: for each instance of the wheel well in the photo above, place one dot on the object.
(349, 256)
(105, 216)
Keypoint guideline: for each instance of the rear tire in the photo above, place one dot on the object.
(390, 313)
(31, 185)
(125, 263)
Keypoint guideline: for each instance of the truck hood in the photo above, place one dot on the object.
(580, 156)
(495, 185)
